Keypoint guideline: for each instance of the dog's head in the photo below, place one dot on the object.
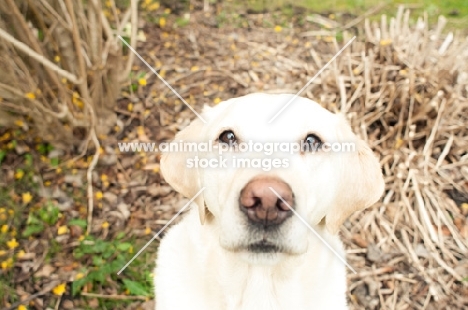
(251, 186)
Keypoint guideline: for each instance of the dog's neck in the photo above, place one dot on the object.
(240, 283)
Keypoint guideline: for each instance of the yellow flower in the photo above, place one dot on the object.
(81, 238)
(105, 225)
(162, 22)
(20, 254)
(79, 275)
(26, 197)
(30, 96)
(398, 143)
(464, 206)
(130, 107)
(19, 123)
(154, 6)
(59, 289)
(62, 230)
(7, 264)
(217, 100)
(167, 11)
(130, 250)
(5, 137)
(278, 28)
(140, 131)
(147, 231)
(385, 42)
(12, 243)
(19, 174)
(57, 58)
(22, 307)
(142, 82)
(77, 101)
(99, 195)
(4, 228)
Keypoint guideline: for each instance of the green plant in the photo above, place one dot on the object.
(106, 259)
(40, 218)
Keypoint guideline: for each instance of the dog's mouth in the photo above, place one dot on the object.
(263, 246)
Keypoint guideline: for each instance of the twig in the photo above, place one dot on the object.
(77, 42)
(89, 178)
(118, 297)
(133, 40)
(39, 58)
(44, 291)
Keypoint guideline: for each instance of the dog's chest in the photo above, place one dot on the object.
(261, 290)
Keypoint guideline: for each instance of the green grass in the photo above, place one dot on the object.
(455, 10)
(445, 7)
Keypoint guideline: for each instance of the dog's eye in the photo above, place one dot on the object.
(227, 137)
(313, 142)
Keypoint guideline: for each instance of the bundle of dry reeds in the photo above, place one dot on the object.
(61, 65)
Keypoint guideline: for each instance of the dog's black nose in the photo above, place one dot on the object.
(262, 205)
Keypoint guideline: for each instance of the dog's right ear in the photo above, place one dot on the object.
(175, 171)
(361, 180)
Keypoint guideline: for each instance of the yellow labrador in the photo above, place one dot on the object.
(243, 244)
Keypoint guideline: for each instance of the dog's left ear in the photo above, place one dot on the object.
(175, 171)
(361, 182)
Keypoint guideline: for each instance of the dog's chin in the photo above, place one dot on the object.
(262, 259)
